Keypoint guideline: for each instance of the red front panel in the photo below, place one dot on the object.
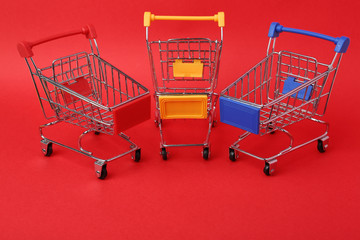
(131, 114)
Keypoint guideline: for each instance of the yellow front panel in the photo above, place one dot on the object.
(188, 69)
(183, 106)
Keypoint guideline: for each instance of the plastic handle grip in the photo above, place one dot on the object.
(219, 18)
(25, 47)
(342, 43)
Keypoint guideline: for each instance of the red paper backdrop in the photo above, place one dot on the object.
(311, 196)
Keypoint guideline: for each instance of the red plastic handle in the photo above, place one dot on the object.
(25, 47)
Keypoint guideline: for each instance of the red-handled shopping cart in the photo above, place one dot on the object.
(85, 90)
(184, 73)
(282, 89)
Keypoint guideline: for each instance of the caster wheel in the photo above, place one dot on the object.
(232, 155)
(267, 169)
(320, 146)
(96, 133)
(103, 173)
(163, 153)
(270, 167)
(137, 155)
(48, 150)
(206, 153)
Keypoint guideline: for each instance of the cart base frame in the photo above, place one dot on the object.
(100, 164)
(271, 162)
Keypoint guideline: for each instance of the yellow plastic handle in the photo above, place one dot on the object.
(219, 18)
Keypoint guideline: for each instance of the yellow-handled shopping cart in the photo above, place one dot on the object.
(184, 74)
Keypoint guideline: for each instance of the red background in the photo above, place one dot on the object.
(311, 196)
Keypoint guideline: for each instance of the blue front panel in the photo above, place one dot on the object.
(239, 115)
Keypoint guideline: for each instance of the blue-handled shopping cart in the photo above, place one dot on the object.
(282, 89)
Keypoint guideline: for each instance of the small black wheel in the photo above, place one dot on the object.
(49, 150)
(267, 169)
(96, 133)
(164, 153)
(320, 146)
(232, 155)
(206, 153)
(103, 172)
(137, 155)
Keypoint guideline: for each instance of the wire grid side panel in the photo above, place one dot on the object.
(293, 71)
(74, 72)
(254, 86)
(324, 93)
(302, 68)
(187, 50)
(112, 85)
(69, 68)
(43, 90)
(70, 108)
(84, 114)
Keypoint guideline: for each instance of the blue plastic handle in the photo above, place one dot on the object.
(342, 43)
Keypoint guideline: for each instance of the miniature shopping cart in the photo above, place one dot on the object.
(85, 90)
(184, 73)
(282, 89)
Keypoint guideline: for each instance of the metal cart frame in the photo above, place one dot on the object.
(84, 90)
(199, 56)
(282, 89)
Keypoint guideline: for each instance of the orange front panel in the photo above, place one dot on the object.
(183, 106)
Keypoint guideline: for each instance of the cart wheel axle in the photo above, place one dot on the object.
(270, 167)
(103, 173)
(46, 147)
(100, 169)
